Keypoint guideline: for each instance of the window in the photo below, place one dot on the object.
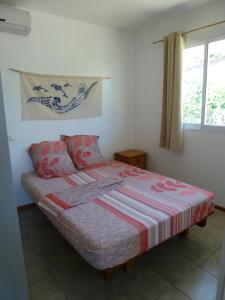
(203, 92)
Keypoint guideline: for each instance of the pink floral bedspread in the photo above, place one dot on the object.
(126, 221)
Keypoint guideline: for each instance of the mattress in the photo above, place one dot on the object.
(114, 227)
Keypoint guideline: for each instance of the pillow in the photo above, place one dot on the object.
(51, 159)
(83, 149)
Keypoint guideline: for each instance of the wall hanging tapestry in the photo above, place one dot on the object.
(49, 97)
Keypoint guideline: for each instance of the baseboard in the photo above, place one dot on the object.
(220, 208)
(22, 207)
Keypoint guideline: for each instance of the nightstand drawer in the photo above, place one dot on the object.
(139, 161)
(121, 158)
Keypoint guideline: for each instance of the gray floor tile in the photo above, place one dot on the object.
(217, 211)
(42, 234)
(61, 258)
(46, 290)
(35, 269)
(143, 284)
(218, 221)
(28, 248)
(167, 264)
(193, 250)
(108, 291)
(210, 236)
(199, 285)
(30, 214)
(77, 280)
(212, 264)
(173, 294)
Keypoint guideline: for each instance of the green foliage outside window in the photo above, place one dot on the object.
(215, 106)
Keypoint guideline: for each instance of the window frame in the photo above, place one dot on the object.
(202, 125)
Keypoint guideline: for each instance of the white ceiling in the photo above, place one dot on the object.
(121, 14)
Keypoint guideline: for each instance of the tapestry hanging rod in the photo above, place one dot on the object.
(195, 29)
(20, 71)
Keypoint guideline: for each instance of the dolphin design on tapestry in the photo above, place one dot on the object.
(54, 103)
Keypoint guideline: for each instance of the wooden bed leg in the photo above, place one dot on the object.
(128, 266)
(202, 223)
(107, 274)
(184, 234)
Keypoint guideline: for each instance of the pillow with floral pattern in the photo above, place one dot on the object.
(84, 150)
(51, 159)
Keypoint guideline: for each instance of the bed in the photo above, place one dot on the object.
(113, 228)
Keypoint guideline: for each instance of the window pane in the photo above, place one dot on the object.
(192, 84)
(215, 97)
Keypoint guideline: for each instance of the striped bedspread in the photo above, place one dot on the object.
(155, 218)
(115, 226)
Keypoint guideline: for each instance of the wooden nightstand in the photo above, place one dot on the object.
(132, 157)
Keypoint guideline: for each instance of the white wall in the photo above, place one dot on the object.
(67, 47)
(63, 46)
(203, 161)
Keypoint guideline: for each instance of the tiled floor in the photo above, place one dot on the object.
(179, 269)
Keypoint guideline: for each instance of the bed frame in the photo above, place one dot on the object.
(128, 266)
